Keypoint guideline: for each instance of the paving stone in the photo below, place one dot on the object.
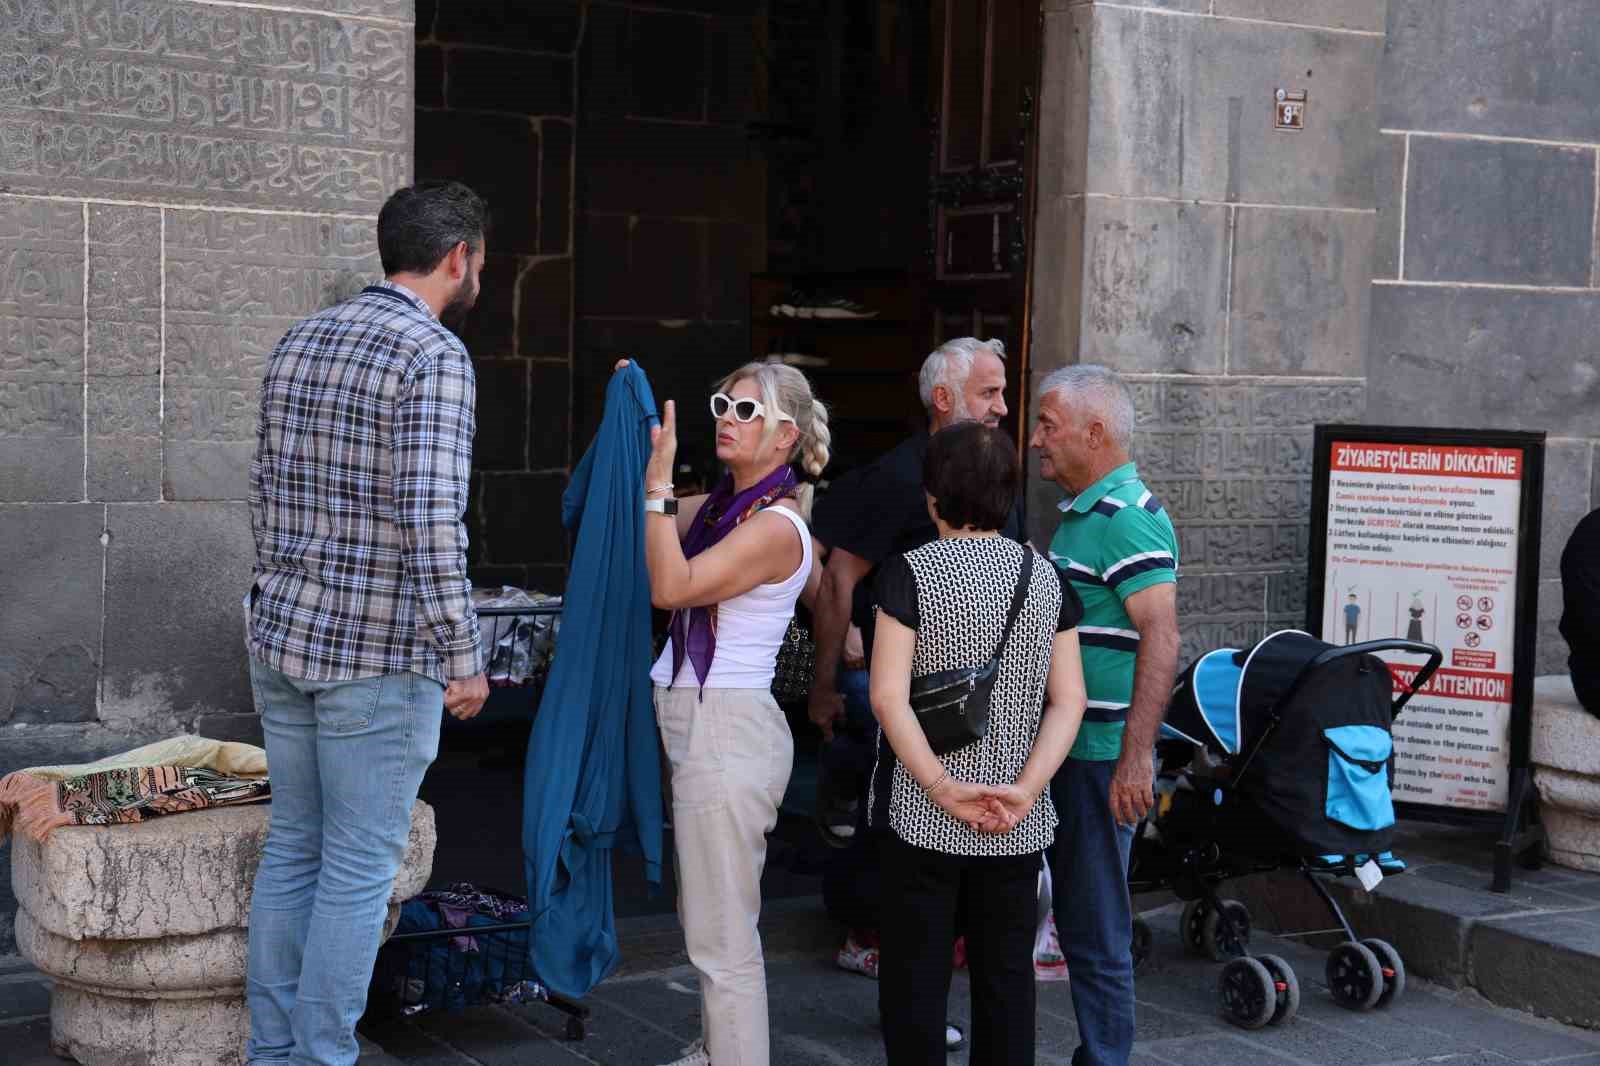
(1501, 1032)
(1225, 1050)
(1549, 964)
(1393, 1028)
(1498, 212)
(408, 1043)
(1522, 896)
(22, 996)
(489, 1036)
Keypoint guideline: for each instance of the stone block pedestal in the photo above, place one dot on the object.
(142, 930)
(1566, 760)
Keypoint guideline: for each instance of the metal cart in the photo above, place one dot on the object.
(451, 969)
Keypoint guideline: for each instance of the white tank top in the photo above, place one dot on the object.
(750, 629)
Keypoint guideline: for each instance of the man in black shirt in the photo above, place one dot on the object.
(880, 511)
(1580, 615)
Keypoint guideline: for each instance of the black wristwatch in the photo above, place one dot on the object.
(667, 506)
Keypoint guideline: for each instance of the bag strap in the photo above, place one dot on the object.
(1016, 599)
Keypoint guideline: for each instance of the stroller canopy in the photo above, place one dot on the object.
(1226, 698)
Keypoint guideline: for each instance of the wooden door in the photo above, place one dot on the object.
(984, 75)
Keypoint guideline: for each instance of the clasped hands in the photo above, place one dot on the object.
(984, 808)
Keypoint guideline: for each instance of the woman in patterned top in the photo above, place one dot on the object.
(969, 827)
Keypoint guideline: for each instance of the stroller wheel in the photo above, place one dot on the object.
(1248, 993)
(1285, 985)
(1225, 940)
(1394, 970)
(1142, 942)
(1354, 976)
(1189, 926)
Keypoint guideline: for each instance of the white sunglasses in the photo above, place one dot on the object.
(744, 410)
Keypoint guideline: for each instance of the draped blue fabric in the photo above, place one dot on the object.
(593, 772)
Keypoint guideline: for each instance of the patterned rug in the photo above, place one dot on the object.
(37, 801)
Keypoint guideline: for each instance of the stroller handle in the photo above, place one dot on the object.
(1434, 656)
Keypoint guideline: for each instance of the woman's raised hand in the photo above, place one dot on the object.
(663, 448)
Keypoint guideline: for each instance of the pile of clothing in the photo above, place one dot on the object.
(450, 972)
(167, 777)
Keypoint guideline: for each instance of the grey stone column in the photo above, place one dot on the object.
(181, 180)
(1223, 265)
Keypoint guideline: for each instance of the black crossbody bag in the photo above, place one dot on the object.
(953, 705)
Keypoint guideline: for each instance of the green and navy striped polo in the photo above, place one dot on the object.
(1114, 540)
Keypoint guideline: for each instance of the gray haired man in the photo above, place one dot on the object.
(1118, 547)
(879, 511)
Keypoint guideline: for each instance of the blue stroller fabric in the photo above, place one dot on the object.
(1205, 708)
(593, 776)
(1308, 746)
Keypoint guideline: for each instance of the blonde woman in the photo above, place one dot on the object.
(730, 567)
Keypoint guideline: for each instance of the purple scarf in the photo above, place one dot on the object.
(694, 629)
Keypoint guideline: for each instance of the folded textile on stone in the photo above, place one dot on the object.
(180, 774)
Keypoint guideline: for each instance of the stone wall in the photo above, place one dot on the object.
(496, 90)
(180, 182)
(671, 203)
(1222, 265)
(1486, 299)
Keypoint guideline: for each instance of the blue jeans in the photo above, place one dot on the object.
(346, 759)
(1094, 914)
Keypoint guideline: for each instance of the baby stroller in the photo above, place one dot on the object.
(1279, 757)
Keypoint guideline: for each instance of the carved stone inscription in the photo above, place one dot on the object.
(194, 102)
(235, 283)
(41, 350)
(124, 353)
(1231, 463)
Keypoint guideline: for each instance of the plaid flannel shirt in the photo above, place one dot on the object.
(357, 489)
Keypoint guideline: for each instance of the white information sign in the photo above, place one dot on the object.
(1422, 545)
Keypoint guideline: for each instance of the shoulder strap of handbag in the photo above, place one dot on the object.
(1016, 599)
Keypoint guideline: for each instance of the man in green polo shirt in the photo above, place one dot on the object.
(1117, 546)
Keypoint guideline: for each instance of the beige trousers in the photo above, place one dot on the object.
(731, 754)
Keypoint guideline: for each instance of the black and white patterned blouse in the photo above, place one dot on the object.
(955, 593)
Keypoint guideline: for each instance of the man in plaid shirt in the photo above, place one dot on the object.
(361, 631)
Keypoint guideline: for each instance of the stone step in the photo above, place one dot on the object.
(1535, 948)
